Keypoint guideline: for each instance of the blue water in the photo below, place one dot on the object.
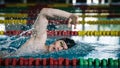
(82, 49)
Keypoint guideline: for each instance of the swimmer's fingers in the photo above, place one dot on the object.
(73, 20)
(75, 24)
(69, 22)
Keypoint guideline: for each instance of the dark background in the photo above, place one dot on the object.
(48, 1)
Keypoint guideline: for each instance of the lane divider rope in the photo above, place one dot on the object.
(66, 33)
(60, 22)
(59, 61)
(25, 15)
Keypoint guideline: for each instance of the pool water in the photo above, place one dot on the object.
(82, 49)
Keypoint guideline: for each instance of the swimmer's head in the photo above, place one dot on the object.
(61, 44)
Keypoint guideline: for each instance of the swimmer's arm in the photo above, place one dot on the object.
(50, 12)
(42, 22)
(55, 12)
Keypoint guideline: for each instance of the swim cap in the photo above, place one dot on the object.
(69, 42)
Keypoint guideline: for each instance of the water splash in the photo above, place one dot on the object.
(12, 43)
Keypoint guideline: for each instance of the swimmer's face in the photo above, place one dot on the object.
(57, 46)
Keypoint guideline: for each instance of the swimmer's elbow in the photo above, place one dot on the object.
(47, 12)
(44, 11)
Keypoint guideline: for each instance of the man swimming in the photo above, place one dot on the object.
(36, 44)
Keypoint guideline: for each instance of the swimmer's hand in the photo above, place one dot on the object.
(73, 19)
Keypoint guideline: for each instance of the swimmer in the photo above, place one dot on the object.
(36, 44)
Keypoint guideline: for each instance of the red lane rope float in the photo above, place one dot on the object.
(37, 61)
(62, 33)
(74, 62)
(16, 32)
(49, 33)
(14, 62)
(44, 61)
(7, 62)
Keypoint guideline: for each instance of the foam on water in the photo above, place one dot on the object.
(104, 51)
